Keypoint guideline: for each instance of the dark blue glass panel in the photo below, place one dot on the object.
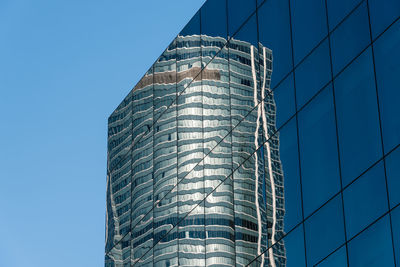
(324, 231)
(396, 233)
(345, 46)
(284, 101)
(213, 18)
(248, 32)
(337, 259)
(213, 29)
(274, 33)
(382, 14)
(238, 12)
(318, 151)
(294, 245)
(357, 116)
(373, 247)
(365, 200)
(193, 27)
(313, 74)
(290, 163)
(387, 58)
(338, 9)
(393, 177)
(308, 25)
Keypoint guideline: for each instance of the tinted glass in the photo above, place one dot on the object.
(337, 259)
(213, 28)
(360, 208)
(308, 24)
(344, 46)
(373, 247)
(274, 33)
(383, 13)
(313, 74)
(357, 117)
(284, 100)
(338, 10)
(188, 53)
(290, 163)
(324, 231)
(294, 245)
(387, 57)
(396, 233)
(318, 151)
(238, 12)
(393, 176)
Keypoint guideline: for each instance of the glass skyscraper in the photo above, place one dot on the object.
(266, 134)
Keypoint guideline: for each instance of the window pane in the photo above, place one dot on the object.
(318, 151)
(337, 259)
(345, 46)
(383, 13)
(387, 58)
(213, 28)
(290, 164)
(360, 208)
(357, 115)
(324, 231)
(284, 101)
(308, 24)
(373, 247)
(313, 74)
(393, 177)
(338, 9)
(238, 12)
(396, 233)
(274, 33)
(293, 243)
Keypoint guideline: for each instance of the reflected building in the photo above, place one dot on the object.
(257, 139)
(175, 193)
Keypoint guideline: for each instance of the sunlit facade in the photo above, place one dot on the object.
(264, 135)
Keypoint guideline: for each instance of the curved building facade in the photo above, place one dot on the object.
(256, 139)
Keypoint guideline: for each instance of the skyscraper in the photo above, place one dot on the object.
(257, 138)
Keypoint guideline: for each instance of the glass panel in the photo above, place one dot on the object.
(166, 251)
(318, 151)
(313, 74)
(287, 166)
(324, 231)
(396, 233)
(292, 249)
(337, 259)
(343, 43)
(308, 24)
(360, 208)
(250, 229)
(373, 247)
(284, 101)
(382, 13)
(387, 57)
(188, 53)
(119, 173)
(213, 28)
(238, 12)
(120, 254)
(220, 224)
(191, 233)
(338, 9)
(357, 117)
(274, 34)
(393, 177)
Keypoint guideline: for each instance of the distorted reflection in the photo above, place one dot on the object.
(194, 170)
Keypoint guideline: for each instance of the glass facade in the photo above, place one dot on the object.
(266, 134)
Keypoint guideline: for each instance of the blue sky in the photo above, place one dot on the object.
(64, 67)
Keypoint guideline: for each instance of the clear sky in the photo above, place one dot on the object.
(64, 67)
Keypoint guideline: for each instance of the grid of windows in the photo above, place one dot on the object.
(266, 134)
